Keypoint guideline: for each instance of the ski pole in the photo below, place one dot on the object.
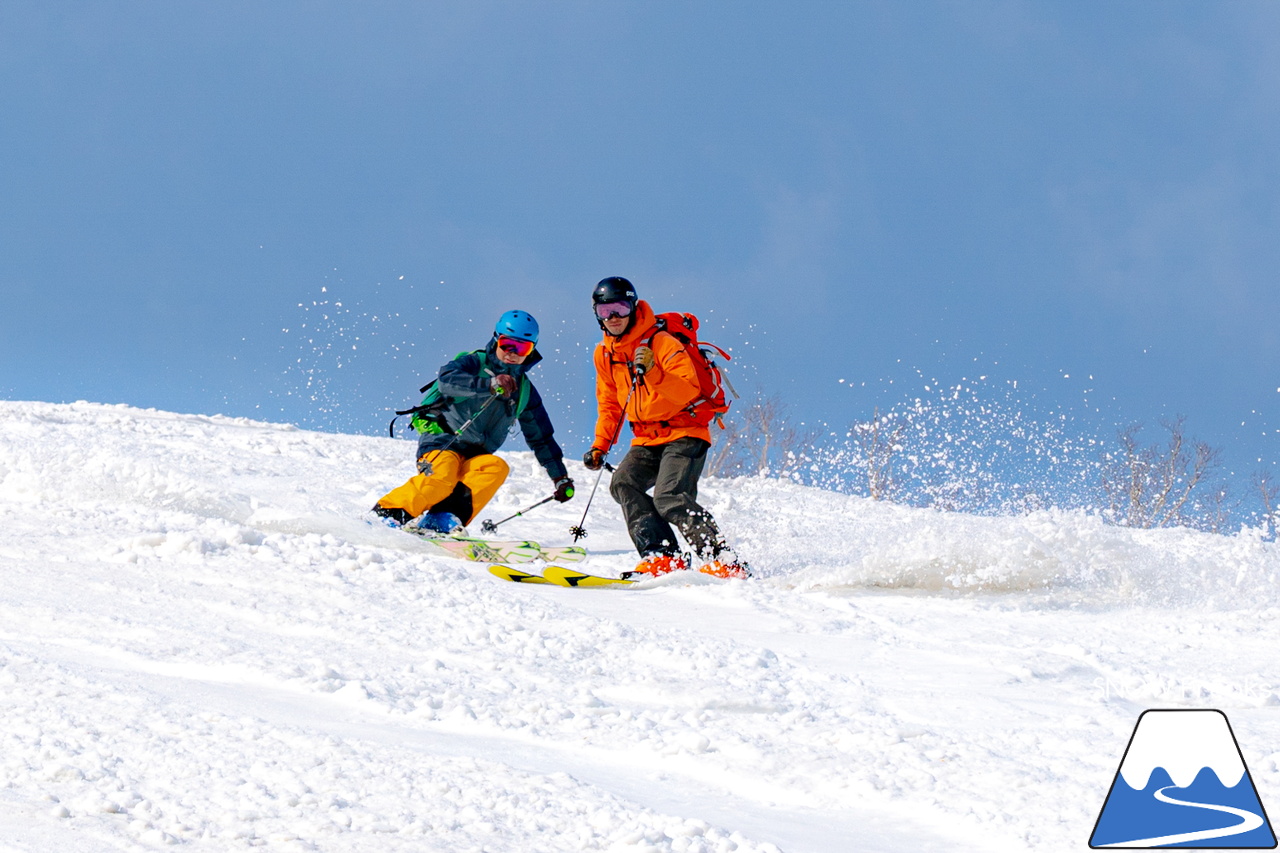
(492, 526)
(459, 431)
(580, 531)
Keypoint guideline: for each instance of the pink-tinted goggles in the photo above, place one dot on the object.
(609, 310)
(515, 346)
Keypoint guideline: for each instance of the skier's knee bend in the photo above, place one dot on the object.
(621, 486)
(492, 465)
(676, 507)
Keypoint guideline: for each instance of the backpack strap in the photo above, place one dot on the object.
(708, 373)
(522, 399)
(426, 415)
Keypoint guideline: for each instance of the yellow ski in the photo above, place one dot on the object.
(561, 576)
(515, 575)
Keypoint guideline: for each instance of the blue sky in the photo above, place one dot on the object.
(862, 199)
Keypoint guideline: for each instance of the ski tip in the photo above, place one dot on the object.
(564, 553)
(515, 575)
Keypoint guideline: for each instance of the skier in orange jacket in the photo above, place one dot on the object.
(650, 379)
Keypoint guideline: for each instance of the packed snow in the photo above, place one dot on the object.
(204, 644)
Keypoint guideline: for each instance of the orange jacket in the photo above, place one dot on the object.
(657, 409)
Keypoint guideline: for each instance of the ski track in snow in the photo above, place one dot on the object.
(203, 644)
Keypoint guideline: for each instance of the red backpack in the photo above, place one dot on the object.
(711, 402)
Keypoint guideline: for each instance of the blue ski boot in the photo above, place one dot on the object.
(436, 524)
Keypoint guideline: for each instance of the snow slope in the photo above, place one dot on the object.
(202, 644)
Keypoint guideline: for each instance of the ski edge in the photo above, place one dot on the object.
(560, 576)
(507, 573)
(557, 576)
(505, 551)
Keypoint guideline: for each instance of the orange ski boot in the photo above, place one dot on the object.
(726, 568)
(658, 564)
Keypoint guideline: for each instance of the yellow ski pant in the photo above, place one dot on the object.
(483, 475)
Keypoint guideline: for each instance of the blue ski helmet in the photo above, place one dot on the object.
(517, 324)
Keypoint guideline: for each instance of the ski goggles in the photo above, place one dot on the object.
(516, 346)
(609, 310)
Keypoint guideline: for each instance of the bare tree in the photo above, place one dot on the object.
(1266, 487)
(726, 444)
(1152, 486)
(877, 441)
(760, 439)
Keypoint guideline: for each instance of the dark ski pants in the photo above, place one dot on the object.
(672, 471)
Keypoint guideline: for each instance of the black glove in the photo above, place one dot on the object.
(503, 385)
(594, 459)
(564, 489)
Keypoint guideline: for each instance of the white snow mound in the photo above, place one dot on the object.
(203, 643)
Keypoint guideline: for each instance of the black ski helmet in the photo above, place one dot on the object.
(615, 288)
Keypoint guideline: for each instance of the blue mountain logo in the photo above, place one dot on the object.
(1183, 783)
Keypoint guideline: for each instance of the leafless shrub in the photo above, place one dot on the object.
(726, 443)
(1149, 485)
(877, 440)
(760, 439)
(1268, 490)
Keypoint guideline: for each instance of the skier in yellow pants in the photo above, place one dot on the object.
(481, 395)
(481, 475)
